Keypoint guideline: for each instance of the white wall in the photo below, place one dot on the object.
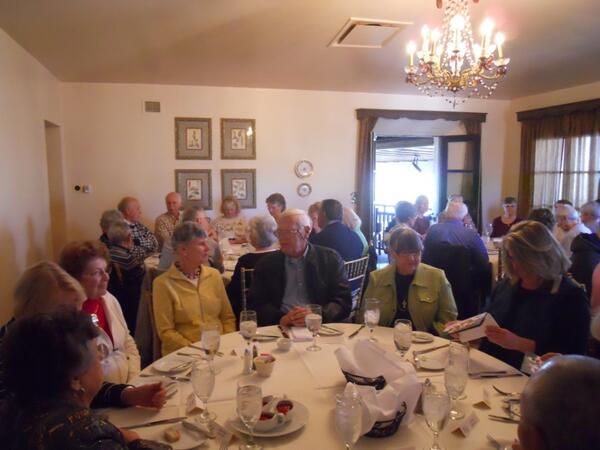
(513, 137)
(29, 95)
(112, 145)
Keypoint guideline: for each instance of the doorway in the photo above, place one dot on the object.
(56, 187)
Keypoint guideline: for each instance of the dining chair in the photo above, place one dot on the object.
(356, 272)
(245, 285)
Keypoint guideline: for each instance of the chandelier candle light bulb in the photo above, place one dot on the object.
(449, 61)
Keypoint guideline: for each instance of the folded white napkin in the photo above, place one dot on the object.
(300, 334)
(384, 404)
(367, 359)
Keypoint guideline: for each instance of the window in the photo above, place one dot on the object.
(566, 168)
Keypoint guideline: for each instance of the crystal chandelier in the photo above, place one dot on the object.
(451, 61)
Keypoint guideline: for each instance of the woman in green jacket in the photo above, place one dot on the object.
(409, 289)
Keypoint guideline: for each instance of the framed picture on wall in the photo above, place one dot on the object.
(194, 185)
(238, 139)
(192, 138)
(241, 184)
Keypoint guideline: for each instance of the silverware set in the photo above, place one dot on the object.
(356, 332)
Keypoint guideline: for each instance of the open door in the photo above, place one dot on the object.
(459, 172)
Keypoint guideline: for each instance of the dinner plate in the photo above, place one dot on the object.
(431, 363)
(420, 337)
(298, 420)
(189, 439)
(172, 365)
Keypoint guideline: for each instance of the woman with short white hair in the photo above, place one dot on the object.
(261, 234)
(538, 307)
(190, 295)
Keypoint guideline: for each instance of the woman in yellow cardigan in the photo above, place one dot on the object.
(409, 289)
(189, 295)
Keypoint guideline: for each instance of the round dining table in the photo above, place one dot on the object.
(314, 379)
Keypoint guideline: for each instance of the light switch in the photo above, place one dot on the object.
(86, 188)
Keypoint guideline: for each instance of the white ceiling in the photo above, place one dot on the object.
(552, 44)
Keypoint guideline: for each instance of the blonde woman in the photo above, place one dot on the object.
(539, 309)
(352, 221)
(43, 289)
(231, 224)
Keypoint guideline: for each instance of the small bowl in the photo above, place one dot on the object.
(284, 344)
(264, 365)
(269, 420)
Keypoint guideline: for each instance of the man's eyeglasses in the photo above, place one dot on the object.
(284, 233)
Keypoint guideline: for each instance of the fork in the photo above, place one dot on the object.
(506, 394)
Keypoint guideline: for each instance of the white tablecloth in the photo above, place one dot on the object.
(314, 378)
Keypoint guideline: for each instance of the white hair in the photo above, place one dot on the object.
(262, 231)
(456, 210)
(567, 211)
(592, 208)
(300, 217)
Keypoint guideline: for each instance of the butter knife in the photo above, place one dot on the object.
(495, 375)
(356, 332)
(427, 350)
(284, 333)
(156, 422)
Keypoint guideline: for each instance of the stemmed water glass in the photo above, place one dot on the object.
(371, 316)
(436, 405)
(203, 382)
(348, 419)
(249, 408)
(402, 335)
(210, 341)
(456, 376)
(248, 325)
(313, 322)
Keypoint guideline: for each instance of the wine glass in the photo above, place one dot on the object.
(402, 335)
(348, 419)
(456, 376)
(372, 316)
(210, 341)
(249, 409)
(313, 322)
(248, 325)
(203, 382)
(436, 405)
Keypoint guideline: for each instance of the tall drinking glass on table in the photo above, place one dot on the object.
(371, 316)
(203, 383)
(249, 409)
(210, 341)
(313, 321)
(248, 325)
(456, 375)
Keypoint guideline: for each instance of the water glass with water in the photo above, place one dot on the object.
(313, 321)
(249, 409)
(348, 419)
(371, 316)
(402, 335)
(248, 325)
(203, 383)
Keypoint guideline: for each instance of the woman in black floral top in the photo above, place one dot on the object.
(52, 368)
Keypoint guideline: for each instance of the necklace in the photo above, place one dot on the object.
(189, 275)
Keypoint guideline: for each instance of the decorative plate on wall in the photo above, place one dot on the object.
(304, 189)
(303, 169)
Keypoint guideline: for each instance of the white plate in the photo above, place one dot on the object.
(431, 364)
(299, 419)
(189, 439)
(420, 337)
(168, 365)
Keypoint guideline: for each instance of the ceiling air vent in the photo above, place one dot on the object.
(151, 107)
(367, 33)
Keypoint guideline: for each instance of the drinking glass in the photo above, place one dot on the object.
(456, 375)
(313, 322)
(210, 341)
(371, 316)
(249, 408)
(203, 382)
(248, 325)
(402, 335)
(436, 405)
(348, 419)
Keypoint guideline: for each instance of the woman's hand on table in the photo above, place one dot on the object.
(509, 340)
(295, 317)
(150, 395)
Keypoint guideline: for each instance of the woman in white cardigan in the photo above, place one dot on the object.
(87, 262)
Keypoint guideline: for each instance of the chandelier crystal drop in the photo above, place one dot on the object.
(450, 61)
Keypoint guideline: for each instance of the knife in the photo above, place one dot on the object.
(356, 332)
(197, 347)
(283, 332)
(502, 419)
(494, 375)
(156, 422)
(427, 350)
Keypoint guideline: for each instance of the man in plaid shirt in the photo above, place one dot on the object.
(166, 223)
(144, 241)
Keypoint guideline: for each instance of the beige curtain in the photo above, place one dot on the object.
(554, 152)
(364, 174)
